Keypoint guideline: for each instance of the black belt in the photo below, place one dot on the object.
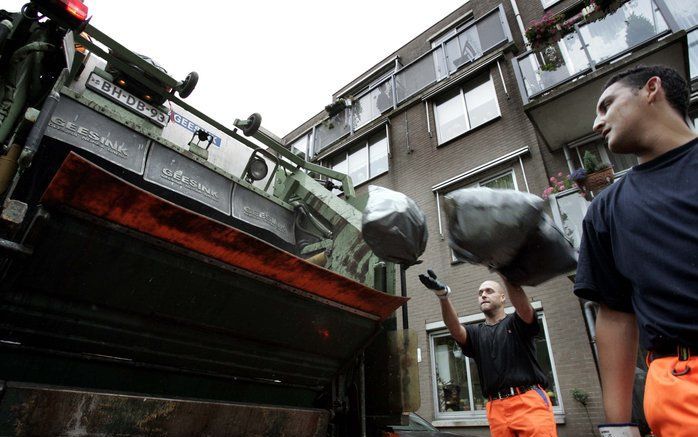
(510, 391)
(682, 352)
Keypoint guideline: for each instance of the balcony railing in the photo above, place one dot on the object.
(589, 45)
(466, 46)
(331, 130)
(373, 103)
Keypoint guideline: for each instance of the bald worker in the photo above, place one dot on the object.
(503, 348)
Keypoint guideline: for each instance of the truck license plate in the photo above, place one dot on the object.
(127, 100)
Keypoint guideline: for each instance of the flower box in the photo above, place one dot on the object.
(597, 181)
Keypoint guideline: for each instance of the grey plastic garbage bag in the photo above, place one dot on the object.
(393, 226)
(489, 226)
(545, 255)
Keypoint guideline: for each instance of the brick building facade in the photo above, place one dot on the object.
(468, 103)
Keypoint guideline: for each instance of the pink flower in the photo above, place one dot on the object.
(553, 180)
(548, 191)
(559, 175)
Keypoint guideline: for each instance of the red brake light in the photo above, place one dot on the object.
(76, 8)
(72, 13)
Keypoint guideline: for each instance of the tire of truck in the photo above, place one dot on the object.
(254, 122)
(188, 84)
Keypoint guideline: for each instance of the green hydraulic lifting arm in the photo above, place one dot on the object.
(130, 62)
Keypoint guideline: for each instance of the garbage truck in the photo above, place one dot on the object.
(162, 273)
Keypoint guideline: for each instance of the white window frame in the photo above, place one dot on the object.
(478, 417)
(461, 93)
(308, 147)
(478, 170)
(548, 3)
(481, 183)
(600, 148)
(366, 146)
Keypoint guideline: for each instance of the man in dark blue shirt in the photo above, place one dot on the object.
(639, 253)
(503, 349)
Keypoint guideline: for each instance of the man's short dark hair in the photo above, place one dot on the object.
(675, 87)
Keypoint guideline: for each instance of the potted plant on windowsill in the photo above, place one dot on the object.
(599, 175)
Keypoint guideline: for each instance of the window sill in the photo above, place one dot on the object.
(551, 5)
(479, 421)
(454, 423)
(459, 136)
(341, 194)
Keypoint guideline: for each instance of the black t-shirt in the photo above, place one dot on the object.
(505, 354)
(639, 250)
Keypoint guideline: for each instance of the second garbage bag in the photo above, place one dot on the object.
(393, 226)
(507, 231)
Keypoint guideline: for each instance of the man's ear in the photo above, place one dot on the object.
(653, 88)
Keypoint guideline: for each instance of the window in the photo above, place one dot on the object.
(358, 164)
(378, 155)
(455, 381)
(684, 11)
(301, 146)
(686, 15)
(365, 160)
(503, 182)
(450, 117)
(465, 109)
(597, 148)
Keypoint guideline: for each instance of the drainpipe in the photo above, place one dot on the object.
(568, 158)
(515, 7)
(407, 135)
(590, 318)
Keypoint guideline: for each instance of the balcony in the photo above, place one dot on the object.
(560, 84)
(468, 44)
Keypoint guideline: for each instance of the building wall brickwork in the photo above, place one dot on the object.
(417, 163)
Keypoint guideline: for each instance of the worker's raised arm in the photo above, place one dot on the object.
(519, 300)
(448, 313)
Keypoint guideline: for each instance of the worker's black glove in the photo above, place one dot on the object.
(440, 289)
(619, 430)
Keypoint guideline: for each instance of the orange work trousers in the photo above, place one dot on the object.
(529, 414)
(671, 397)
